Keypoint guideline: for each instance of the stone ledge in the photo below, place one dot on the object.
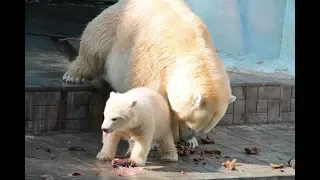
(63, 110)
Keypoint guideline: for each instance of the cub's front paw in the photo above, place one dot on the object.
(137, 161)
(193, 143)
(105, 156)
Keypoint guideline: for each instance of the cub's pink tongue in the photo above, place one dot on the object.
(104, 133)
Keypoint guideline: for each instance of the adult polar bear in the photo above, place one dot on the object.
(159, 44)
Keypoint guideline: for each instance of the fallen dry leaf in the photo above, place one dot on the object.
(292, 163)
(182, 147)
(184, 150)
(192, 151)
(207, 140)
(117, 162)
(125, 171)
(75, 174)
(252, 151)
(230, 164)
(212, 151)
(276, 166)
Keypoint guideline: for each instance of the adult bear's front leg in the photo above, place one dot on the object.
(188, 136)
(84, 68)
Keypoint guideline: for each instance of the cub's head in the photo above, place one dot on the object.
(118, 113)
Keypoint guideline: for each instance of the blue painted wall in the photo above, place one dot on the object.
(251, 36)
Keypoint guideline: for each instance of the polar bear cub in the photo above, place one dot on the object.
(142, 116)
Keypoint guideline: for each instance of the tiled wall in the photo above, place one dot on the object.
(260, 104)
(79, 110)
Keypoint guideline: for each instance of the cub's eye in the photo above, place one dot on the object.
(114, 119)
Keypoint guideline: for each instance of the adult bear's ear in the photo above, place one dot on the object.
(232, 99)
(198, 99)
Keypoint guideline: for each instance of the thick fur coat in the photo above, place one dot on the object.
(162, 45)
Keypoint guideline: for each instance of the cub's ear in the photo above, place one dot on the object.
(232, 99)
(134, 103)
(198, 100)
(112, 94)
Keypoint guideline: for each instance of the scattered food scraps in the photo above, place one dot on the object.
(212, 151)
(117, 162)
(180, 146)
(292, 163)
(181, 172)
(230, 164)
(183, 152)
(252, 151)
(75, 174)
(276, 166)
(75, 148)
(125, 171)
(192, 151)
(207, 140)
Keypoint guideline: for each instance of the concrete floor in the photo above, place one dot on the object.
(47, 156)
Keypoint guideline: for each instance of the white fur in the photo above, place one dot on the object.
(118, 69)
(142, 116)
(162, 45)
